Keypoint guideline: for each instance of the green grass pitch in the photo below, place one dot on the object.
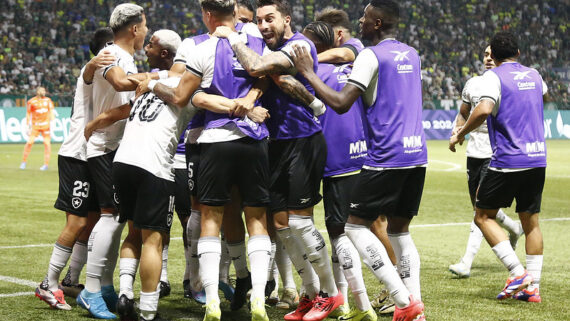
(28, 218)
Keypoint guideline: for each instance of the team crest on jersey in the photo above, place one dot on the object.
(76, 202)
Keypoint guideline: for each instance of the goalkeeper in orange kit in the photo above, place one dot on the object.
(38, 117)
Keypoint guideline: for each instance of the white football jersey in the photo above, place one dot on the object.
(152, 132)
(106, 140)
(478, 145)
(75, 145)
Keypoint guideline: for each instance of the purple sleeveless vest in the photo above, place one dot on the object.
(289, 118)
(239, 26)
(344, 134)
(198, 119)
(395, 131)
(516, 130)
(232, 81)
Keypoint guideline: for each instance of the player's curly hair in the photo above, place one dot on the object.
(504, 45)
(323, 31)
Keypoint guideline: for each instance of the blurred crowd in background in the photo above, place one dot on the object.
(46, 42)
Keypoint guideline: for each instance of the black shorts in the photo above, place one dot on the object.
(241, 162)
(392, 192)
(192, 164)
(297, 167)
(336, 198)
(143, 198)
(498, 189)
(76, 189)
(183, 205)
(476, 170)
(101, 171)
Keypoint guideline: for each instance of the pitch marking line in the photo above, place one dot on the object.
(452, 166)
(10, 279)
(10, 295)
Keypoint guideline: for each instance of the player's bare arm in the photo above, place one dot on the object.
(478, 117)
(461, 118)
(337, 55)
(246, 104)
(341, 101)
(222, 105)
(117, 77)
(179, 96)
(103, 59)
(107, 119)
(294, 88)
(254, 64)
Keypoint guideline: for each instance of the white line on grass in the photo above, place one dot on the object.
(10, 295)
(453, 166)
(25, 246)
(18, 281)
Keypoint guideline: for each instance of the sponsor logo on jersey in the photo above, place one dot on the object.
(526, 85)
(521, 75)
(412, 142)
(304, 200)
(354, 205)
(535, 149)
(405, 69)
(357, 149)
(400, 55)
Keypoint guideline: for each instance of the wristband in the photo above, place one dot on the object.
(163, 74)
(151, 84)
(234, 38)
(318, 107)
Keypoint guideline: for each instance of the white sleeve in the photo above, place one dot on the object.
(289, 51)
(251, 29)
(201, 63)
(465, 94)
(195, 63)
(365, 67)
(184, 51)
(490, 87)
(544, 88)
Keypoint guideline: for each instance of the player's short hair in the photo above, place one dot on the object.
(245, 3)
(390, 12)
(100, 37)
(323, 31)
(504, 45)
(335, 17)
(283, 6)
(168, 40)
(125, 15)
(223, 7)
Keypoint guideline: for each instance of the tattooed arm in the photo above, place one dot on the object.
(294, 88)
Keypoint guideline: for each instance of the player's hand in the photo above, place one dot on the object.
(142, 86)
(302, 60)
(222, 32)
(242, 107)
(88, 131)
(258, 114)
(103, 59)
(454, 140)
(456, 130)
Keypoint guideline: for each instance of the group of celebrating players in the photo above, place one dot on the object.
(228, 122)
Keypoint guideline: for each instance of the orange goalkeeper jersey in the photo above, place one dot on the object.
(40, 110)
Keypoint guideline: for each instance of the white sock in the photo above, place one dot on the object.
(100, 248)
(316, 250)
(209, 253)
(376, 258)
(149, 304)
(507, 255)
(339, 278)
(78, 260)
(225, 261)
(127, 273)
(164, 270)
(283, 263)
(534, 268)
(296, 252)
(113, 258)
(508, 223)
(271, 266)
(187, 265)
(259, 253)
(239, 258)
(193, 230)
(59, 257)
(473, 245)
(351, 267)
(408, 260)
